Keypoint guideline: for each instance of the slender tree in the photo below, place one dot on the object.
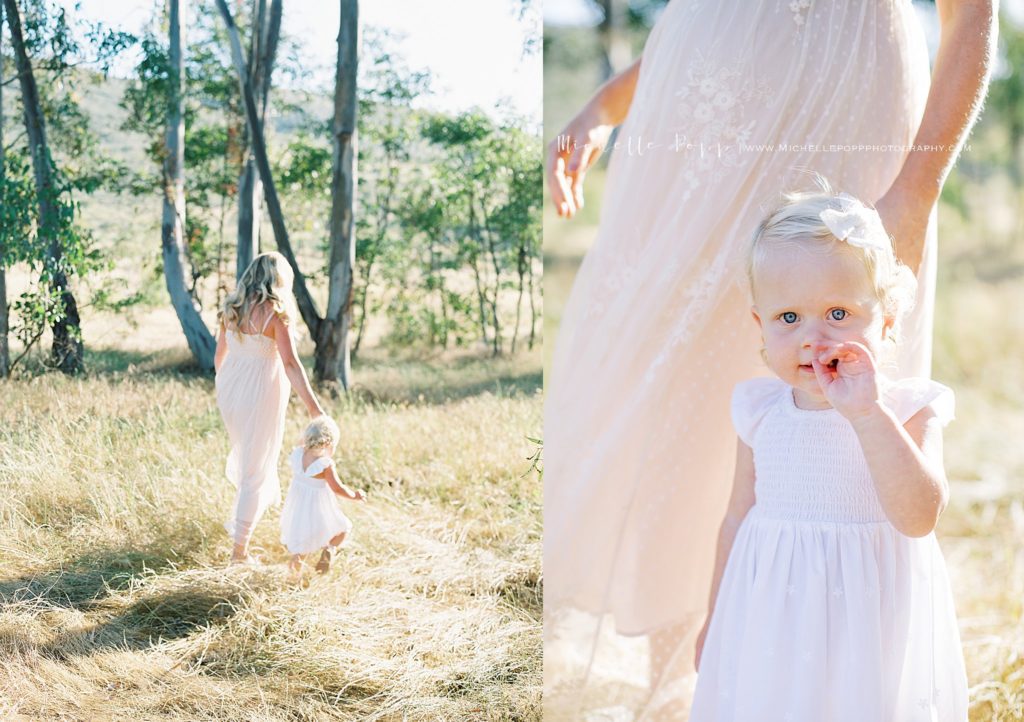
(307, 306)
(67, 344)
(333, 361)
(611, 31)
(172, 236)
(266, 32)
(329, 332)
(5, 352)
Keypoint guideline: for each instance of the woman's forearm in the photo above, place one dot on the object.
(300, 382)
(612, 100)
(960, 78)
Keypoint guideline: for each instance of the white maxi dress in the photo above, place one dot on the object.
(252, 395)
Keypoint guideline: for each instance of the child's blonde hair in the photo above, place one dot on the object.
(797, 222)
(267, 278)
(322, 432)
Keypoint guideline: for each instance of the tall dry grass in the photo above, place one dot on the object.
(114, 598)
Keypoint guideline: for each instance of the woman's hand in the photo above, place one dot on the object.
(573, 151)
(571, 154)
(906, 220)
(847, 375)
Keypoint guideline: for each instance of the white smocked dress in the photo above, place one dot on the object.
(310, 517)
(825, 612)
(252, 395)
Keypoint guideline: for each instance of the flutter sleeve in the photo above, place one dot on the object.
(751, 400)
(908, 396)
(319, 465)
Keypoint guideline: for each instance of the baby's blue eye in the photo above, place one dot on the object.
(837, 314)
(788, 317)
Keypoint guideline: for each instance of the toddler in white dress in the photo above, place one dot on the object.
(311, 519)
(830, 600)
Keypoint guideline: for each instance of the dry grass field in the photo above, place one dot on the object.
(115, 602)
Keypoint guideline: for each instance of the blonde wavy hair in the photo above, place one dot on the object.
(322, 432)
(267, 279)
(796, 222)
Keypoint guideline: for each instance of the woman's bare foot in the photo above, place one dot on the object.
(295, 563)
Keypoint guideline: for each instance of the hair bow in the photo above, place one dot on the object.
(856, 224)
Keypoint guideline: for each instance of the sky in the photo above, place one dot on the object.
(473, 48)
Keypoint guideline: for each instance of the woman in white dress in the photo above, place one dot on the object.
(728, 105)
(256, 361)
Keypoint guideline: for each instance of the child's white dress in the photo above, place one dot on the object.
(825, 612)
(310, 517)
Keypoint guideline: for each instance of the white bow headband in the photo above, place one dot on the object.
(856, 224)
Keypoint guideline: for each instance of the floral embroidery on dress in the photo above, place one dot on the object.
(712, 106)
(611, 286)
(799, 10)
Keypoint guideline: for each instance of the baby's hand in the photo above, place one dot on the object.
(358, 495)
(847, 376)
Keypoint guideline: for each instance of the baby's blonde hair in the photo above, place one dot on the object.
(797, 222)
(267, 278)
(321, 432)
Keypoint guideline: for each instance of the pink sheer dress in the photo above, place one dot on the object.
(735, 102)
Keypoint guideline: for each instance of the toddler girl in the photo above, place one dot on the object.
(830, 600)
(311, 519)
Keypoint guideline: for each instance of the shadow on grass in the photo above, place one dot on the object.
(88, 584)
(434, 380)
(525, 591)
(107, 361)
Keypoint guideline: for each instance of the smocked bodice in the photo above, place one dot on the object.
(808, 465)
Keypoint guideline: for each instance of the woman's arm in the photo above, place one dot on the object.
(906, 466)
(963, 65)
(740, 501)
(330, 475)
(581, 142)
(293, 367)
(222, 349)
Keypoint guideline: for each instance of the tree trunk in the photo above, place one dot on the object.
(481, 301)
(614, 40)
(496, 348)
(249, 192)
(521, 270)
(480, 297)
(307, 306)
(533, 308)
(67, 345)
(5, 351)
(172, 237)
(362, 305)
(262, 51)
(333, 360)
